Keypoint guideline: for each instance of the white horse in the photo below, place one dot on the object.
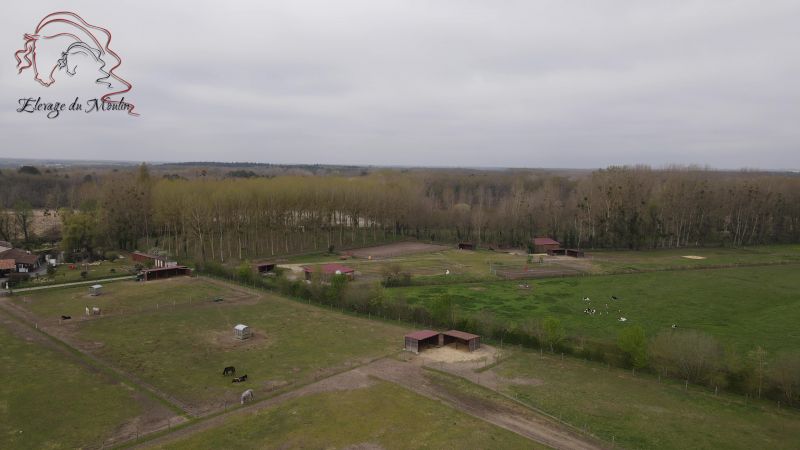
(247, 396)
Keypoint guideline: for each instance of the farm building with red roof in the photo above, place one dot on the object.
(545, 244)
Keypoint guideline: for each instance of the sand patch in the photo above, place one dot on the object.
(451, 354)
(520, 381)
(693, 257)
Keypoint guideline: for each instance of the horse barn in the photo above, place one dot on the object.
(265, 267)
(419, 340)
(545, 245)
(471, 341)
(164, 272)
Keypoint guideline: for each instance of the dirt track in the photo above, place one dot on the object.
(412, 376)
(398, 249)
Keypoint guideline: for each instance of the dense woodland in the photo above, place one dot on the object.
(226, 214)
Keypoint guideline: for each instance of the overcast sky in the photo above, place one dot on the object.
(435, 83)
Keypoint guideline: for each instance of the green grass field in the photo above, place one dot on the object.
(647, 260)
(47, 401)
(126, 297)
(745, 306)
(383, 415)
(98, 271)
(640, 412)
(183, 349)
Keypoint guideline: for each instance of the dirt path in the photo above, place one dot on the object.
(353, 379)
(75, 283)
(412, 376)
(516, 418)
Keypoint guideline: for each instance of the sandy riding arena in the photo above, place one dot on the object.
(398, 249)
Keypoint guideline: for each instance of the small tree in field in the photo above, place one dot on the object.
(633, 344)
(554, 332)
(785, 373)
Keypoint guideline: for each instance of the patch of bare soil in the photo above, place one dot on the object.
(693, 257)
(224, 340)
(400, 248)
(364, 446)
(521, 381)
(450, 354)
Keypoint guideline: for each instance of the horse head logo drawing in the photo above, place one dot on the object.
(64, 42)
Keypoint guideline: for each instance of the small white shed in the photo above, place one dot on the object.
(242, 332)
(95, 290)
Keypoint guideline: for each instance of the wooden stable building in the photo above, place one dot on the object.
(471, 341)
(164, 272)
(419, 340)
(545, 245)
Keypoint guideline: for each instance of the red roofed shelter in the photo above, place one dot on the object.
(329, 270)
(165, 272)
(545, 244)
(419, 340)
(469, 340)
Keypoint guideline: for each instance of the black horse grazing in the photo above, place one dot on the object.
(239, 379)
(230, 370)
(66, 317)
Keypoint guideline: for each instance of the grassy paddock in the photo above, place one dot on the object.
(743, 307)
(607, 261)
(384, 415)
(183, 349)
(47, 401)
(126, 297)
(640, 412)
(63, 274)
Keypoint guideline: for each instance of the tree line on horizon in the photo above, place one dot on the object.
(229, 218)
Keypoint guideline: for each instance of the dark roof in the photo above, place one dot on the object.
(147, 255)
(329, 269)
(7, 264)
(162, 269)
(20, 256)
(545, 241)
(422, 334)
(460, 335)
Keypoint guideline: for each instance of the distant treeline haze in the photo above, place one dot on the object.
(223, 218)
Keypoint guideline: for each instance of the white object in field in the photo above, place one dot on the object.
(622, 319)
(447, 272)
(95, 290)
(241, 331)
(95, 311)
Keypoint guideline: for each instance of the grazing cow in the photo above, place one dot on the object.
(586, 299)
(239, 379)
(87, 310)
(622, 319)
(614, 297)
(247, 396)
(230, 370)
(95, 311)
(66, 317)
(674, 325)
